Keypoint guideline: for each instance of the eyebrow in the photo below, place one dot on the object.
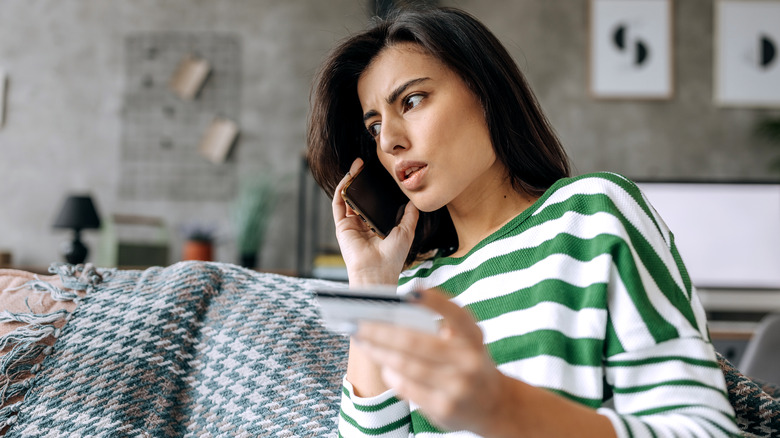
(394, 95)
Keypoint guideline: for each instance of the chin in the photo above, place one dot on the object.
(426, 205)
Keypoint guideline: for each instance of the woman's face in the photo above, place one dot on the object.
(429, 128)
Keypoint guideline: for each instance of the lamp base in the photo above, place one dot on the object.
(75, 252)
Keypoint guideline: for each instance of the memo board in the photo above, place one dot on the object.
(161, 132)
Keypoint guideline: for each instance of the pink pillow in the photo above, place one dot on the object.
(15, 297)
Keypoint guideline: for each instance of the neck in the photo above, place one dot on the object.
(479, 215)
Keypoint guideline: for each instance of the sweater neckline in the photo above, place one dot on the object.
(508, 227)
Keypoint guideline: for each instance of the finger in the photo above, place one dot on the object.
(387, 338)
(339, 207)
(457, 320)
(408, 222)
(405, 387)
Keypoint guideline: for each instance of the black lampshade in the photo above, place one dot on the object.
(78, 213)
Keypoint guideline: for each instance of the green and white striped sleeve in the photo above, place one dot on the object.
(382, 416)
(659, 361)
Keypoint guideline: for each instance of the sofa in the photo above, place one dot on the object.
(193, 349)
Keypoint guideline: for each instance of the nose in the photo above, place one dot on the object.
(392, 137)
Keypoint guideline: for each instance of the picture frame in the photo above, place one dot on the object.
(747, 53)
(630, 49)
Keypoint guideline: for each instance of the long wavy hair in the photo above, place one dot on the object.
(522, 137)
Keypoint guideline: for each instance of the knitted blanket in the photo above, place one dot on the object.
(201, 349)
(195, 349)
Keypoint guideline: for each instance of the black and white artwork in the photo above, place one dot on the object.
(747, 59)
(630, 49)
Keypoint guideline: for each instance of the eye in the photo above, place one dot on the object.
(374, 129)
(412, 101)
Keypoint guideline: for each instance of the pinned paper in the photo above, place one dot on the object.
(218, 140)
(189, 77)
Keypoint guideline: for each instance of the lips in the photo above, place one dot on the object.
(410, 173)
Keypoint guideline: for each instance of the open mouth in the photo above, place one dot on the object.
(410, 171)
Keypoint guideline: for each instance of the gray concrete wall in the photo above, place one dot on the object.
(66, 67)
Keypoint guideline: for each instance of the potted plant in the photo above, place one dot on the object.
(198, 242)
(250, 214)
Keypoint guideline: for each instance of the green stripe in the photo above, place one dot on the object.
(672, 383)
(550, 290)
(379, 430)
(660, 329)
(583, 351)
(421, 424)
(681, 266)
(612, 344)
(627, 426)
(669, 408)
(718, 426)
(370, 408)
(661, 359)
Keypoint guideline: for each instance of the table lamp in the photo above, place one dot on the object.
(77, 213)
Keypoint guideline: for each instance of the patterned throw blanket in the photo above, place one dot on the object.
(194, 349)
(207, 350)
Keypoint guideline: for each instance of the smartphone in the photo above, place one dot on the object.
(343, 309)
(374, 195)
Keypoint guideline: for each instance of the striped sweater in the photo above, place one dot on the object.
(583, 294)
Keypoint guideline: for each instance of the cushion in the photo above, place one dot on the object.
(30, 316)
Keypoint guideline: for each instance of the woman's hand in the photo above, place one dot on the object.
(370, 259)
(450, 376)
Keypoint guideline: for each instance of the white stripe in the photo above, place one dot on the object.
(657, 373)
(670, 396)
(586, 323)
(683, 425)
(639, 429)
(615, 419)
(627, 322)
(699, 313)
(555, 373)
(720, 418)
(376, 419)
(693, 348)
(555, 266)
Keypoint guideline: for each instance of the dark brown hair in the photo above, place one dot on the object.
(520, 133)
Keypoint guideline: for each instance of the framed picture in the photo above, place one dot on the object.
(631, 49)
(747, 53)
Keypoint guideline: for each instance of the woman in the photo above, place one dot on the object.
(566, 310)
